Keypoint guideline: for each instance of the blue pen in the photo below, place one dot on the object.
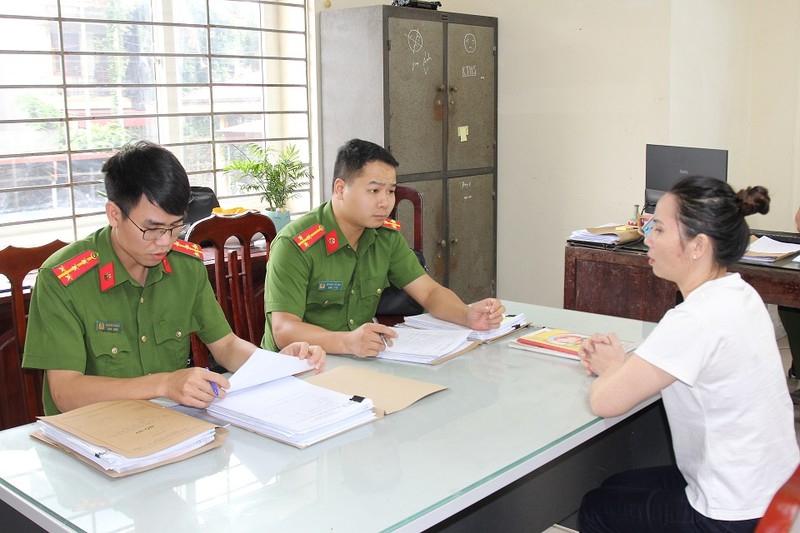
(214, 387)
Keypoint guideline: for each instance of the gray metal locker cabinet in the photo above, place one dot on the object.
(423, 83)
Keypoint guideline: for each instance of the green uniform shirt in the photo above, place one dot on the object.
(125, 331)
(329, 284)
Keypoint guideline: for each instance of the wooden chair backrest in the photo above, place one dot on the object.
(21, 388)
(783, 509)
(233, 272)
(402, 193)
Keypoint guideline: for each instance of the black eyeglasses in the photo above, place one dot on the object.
(153, 234)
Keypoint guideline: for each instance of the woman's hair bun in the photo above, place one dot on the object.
(753, 200)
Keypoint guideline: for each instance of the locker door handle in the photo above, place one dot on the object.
(438, 103)
(454, 240)
(451, 106)
(442, 243)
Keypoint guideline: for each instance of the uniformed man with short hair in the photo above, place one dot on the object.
(111, 314)
(327, 270)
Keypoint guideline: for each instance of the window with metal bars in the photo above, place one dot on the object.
(81, 78)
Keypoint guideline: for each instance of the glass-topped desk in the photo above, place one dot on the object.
(505, 414)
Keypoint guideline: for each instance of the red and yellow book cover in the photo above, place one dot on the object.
(558, 340)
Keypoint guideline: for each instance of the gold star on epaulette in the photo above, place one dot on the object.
(391, 224)
(188, 248)
(76, 267)
(308, 237)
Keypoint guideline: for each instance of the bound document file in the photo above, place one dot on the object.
(427, 346)
(264, 397)
(510, 324)
(128, 436)
(558, 342)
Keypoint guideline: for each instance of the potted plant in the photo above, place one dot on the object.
(275, 175)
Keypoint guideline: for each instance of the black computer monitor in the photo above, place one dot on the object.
(664, 165)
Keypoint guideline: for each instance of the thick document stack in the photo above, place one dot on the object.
(766, 250)
(558, 342)
(429, 347)
(128, 436)
(510, 324)
(264, 397)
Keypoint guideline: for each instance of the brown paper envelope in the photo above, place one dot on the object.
(389, 393)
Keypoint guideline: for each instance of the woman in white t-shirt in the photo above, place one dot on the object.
(715, 361)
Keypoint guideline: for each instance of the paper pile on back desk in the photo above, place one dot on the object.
(265, 398)
(127, 436)
(766, 250)
(610, 234)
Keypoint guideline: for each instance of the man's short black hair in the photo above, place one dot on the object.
(146, 168)
(356, 153)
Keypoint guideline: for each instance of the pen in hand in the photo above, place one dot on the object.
(383, 337)
(214, 387)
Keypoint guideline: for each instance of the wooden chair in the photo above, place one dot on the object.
(784, 508)
(21, 388)
(386, 308)
(403, 193)
(241, 299)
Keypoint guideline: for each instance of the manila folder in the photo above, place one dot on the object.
(388, 393)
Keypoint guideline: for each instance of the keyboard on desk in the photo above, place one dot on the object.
(783, 236)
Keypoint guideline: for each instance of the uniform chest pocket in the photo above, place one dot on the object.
(372, 288)
(173, 338)
(110, 354)
(322, 297)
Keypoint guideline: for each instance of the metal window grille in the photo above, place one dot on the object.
(81, 78)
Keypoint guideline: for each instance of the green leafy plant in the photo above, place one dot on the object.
(276, 175)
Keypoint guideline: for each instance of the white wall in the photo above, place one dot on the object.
(584, 85)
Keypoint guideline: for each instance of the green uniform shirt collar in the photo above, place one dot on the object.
(106, 254)
(328, 221)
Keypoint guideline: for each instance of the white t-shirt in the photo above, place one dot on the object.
(730, 414)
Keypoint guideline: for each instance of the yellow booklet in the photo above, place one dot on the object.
(558, 342)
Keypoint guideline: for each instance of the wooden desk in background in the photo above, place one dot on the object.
(619, 282)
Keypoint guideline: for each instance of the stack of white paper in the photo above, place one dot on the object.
(586, 236)
(766, 250)
(426, 346)
(293, 411)
(428, 321)
(266, 399)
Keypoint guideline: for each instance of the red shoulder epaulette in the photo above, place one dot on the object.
(391, 224)
(308, 237)
(72, 269)
(188, 248)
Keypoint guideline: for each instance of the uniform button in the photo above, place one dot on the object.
(351, 321)
(352, 291)
(114, 351)
(179, 334)
(144, 338)
(325, 302)
(141, 300)
(379, 291)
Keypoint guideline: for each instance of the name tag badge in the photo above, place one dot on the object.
(331, 286)
(108, 327)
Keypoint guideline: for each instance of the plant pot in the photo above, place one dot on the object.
(279, 218)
